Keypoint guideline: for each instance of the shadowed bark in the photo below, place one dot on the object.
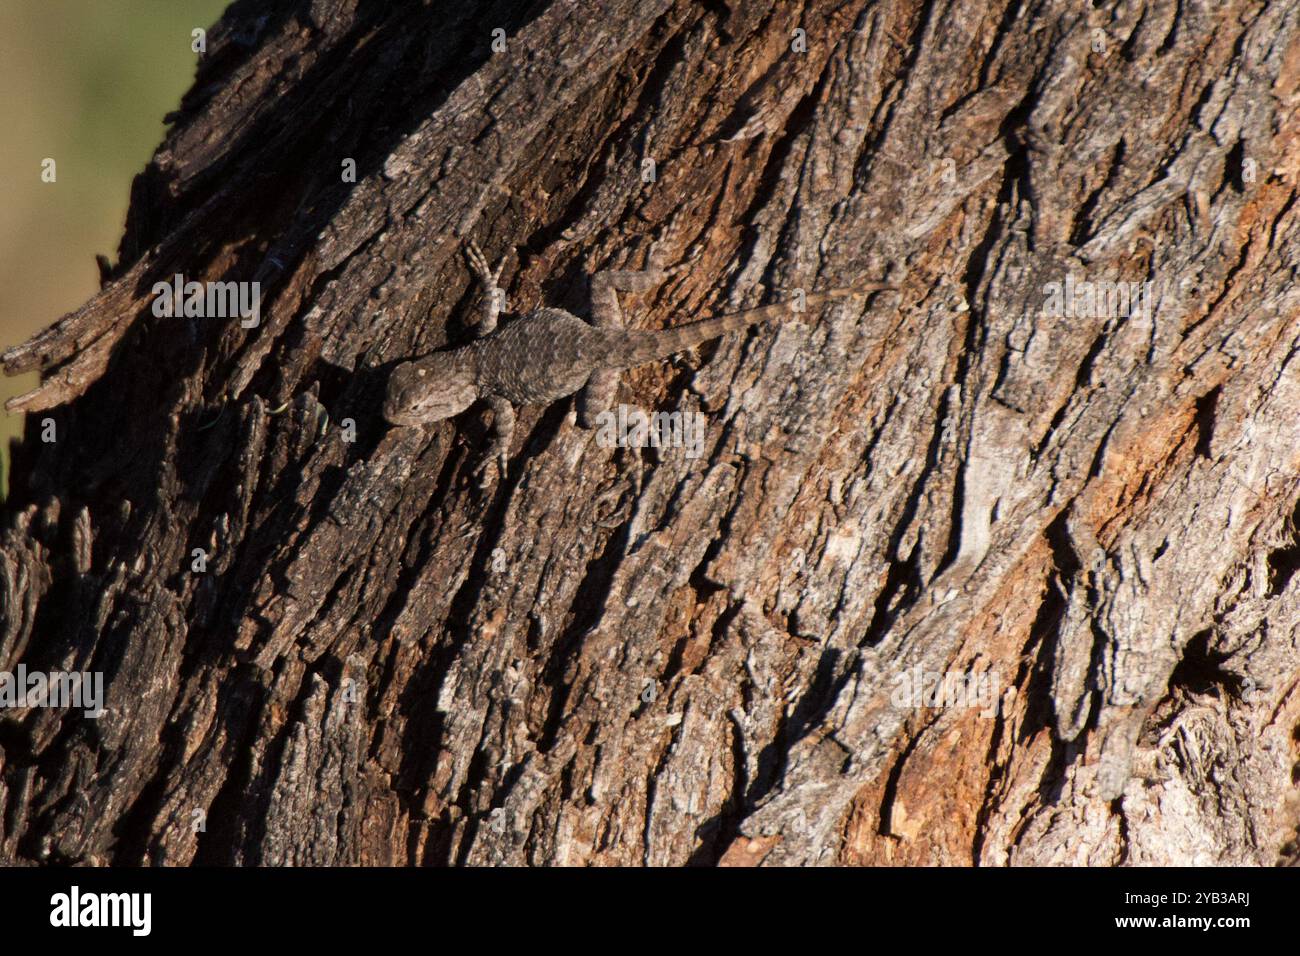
(1077, 500)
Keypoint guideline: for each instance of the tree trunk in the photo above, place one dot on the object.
(1070, 502)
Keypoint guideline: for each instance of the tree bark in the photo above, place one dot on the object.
(323, 644)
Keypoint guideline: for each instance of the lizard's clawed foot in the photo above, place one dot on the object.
(655, 262)
(484, 468)
(478, 263)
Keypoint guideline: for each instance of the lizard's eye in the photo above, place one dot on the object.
(419, 373)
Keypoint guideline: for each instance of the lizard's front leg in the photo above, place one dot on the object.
(503, 429)
(494, 297)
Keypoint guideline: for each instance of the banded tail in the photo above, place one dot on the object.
(644, 346)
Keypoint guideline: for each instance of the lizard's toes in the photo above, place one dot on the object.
(684, 266)
(476, 260)
(484, 469)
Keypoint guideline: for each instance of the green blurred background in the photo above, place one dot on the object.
(85, 83)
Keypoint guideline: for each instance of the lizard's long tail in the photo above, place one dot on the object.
(644, 346)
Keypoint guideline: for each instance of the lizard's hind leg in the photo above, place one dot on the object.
(597, 396)
(599, 392)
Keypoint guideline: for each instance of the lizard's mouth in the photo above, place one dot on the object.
(406, 416)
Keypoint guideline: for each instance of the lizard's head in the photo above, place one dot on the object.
(428, 390)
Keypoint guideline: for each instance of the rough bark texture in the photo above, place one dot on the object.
(618, 656)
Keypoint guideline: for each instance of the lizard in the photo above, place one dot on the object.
(549, 354)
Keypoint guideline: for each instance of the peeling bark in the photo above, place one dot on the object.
(623, 656)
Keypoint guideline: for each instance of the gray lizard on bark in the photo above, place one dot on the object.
(549, 354)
